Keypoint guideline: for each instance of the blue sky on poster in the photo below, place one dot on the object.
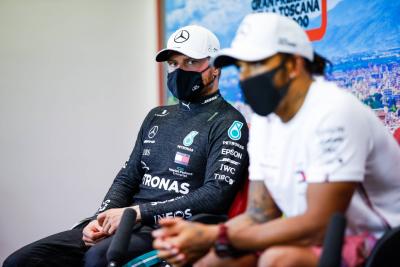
(353, 25)
(361, 39)
(223, 18)
(212, 13)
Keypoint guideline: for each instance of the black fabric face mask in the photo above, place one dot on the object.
(261, 93)
(186, 85)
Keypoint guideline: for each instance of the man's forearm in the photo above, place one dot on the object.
(299, 230)
(206, 199)
(239, 222)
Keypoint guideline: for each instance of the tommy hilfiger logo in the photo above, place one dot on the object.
(182, 158)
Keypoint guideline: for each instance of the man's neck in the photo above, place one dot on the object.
(210, 90)
(294, 99)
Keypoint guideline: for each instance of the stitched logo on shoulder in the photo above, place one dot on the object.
(234, 132)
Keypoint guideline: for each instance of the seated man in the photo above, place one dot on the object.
(188, 158)
(314, 150)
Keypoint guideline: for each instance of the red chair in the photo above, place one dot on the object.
(240, 202)
(396, 135)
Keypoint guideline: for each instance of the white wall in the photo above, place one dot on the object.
(77, 78)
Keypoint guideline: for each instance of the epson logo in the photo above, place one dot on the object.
(231, 152)
(165, 184)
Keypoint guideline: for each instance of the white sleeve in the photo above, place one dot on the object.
(339, 146)
(258, 137)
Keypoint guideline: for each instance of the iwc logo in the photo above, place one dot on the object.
(234, 132)
(188, 140)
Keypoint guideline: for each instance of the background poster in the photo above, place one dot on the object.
(361, 39)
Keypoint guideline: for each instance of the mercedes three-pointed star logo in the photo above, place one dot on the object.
(153, 131)
(182, 36)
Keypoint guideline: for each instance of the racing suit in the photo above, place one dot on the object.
(188, 158)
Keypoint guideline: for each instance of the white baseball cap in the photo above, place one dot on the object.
(262, 35)
(193, 41)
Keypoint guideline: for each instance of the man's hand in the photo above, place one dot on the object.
(181, 242)
(110, 219)
(92, 233)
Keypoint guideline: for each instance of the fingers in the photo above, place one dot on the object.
(172, 255)
(101, 217)
(90, 243)
(161, 244)
(106, 224)
(97, 226)
(110, 219)
(167, 254)
(106, 227)
(112, 229)
(92, 236)
(178, 260)
(169, 221)
(170, 227)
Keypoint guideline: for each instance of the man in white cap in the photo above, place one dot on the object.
(189, 158)
(315, 150)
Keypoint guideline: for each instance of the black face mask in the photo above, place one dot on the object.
(261, 93)
(186, 85)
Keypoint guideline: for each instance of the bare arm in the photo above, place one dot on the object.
(260, 226)
(260, 208)
(194, 240)
(323, 199)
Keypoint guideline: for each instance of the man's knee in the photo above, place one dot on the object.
(287, 257)
(18, 258)
(95, 256)
(271, 257)
(212, 260)
(11, 261)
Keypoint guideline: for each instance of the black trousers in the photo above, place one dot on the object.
(68, 249)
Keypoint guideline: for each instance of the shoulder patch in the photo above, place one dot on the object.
(234, 132)
(162, 113)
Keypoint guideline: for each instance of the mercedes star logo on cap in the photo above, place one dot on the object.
(153, 131)
(182, 36)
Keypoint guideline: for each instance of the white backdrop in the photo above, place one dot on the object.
(76, 80)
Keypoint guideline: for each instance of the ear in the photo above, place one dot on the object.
(297, 67)
(216, 72)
